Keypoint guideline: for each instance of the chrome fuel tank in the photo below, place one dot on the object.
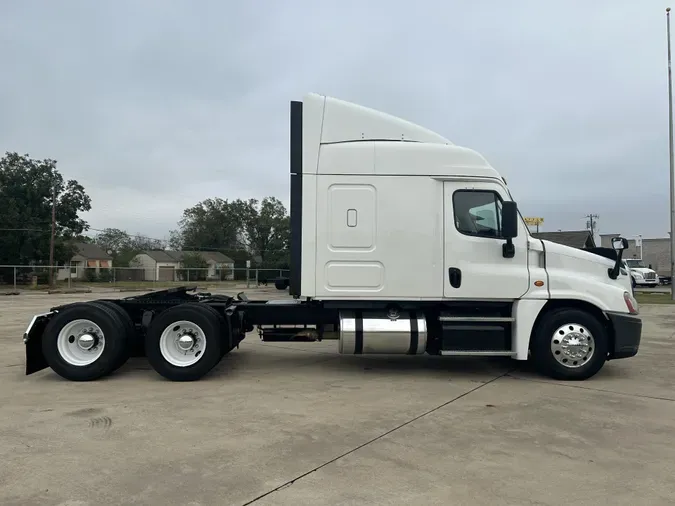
(382, 332)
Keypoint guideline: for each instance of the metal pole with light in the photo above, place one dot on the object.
(672, 159)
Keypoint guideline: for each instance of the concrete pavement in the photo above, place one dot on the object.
(299, 424)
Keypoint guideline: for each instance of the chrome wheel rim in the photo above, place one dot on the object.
(572, 345)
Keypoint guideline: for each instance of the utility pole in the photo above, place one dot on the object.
(51, 241)
(590, 224)
(672, 165)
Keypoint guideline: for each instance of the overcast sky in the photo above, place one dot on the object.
(156, 105)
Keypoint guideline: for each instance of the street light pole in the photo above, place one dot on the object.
(672, 159)
(51, 240)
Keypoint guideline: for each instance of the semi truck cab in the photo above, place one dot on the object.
(641, 274)
(402, 241)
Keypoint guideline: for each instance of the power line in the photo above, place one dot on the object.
(24, 230)
(590, 224)
(137, 236)
(141, 236)
(190, 246)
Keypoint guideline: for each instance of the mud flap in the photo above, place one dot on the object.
(35, 360)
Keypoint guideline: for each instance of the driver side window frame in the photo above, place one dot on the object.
(498, 201)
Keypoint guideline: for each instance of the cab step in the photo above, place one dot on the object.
(487, 319)
(477, 353)
(468, 334)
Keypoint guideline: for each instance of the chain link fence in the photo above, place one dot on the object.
(21, 277)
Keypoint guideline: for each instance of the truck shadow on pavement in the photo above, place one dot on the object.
(249, 364)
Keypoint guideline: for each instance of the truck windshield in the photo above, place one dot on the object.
(636, 264)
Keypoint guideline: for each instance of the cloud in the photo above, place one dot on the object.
(156, 105)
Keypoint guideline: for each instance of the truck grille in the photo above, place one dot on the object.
(650, 276)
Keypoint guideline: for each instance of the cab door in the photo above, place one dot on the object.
(474, 261)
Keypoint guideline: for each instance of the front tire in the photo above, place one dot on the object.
(185, 342)
(569, 344)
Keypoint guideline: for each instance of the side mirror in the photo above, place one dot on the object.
(510, 220)
(509, 227)
(619, 243)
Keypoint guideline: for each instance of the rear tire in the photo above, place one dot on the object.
(128, 324)
(185, 342)
(281, 283)
(84, 342)
(569, 344)
(125, 323)
(225, 331)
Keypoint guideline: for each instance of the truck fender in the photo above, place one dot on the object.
(525, 312)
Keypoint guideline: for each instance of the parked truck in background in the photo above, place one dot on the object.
(403, 242)
(641, 274)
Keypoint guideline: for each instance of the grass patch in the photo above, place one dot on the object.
(653, 298)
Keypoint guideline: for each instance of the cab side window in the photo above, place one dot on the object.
(478, 213)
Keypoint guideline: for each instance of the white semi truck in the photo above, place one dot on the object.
(402, 242)
(641, 274)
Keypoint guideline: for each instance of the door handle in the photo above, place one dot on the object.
(455, 276)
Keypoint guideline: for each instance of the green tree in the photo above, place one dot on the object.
(113, 240)
(194, 268)
(211, 224)
(26, 193)
(265, 230)
(123, 247)
(141, 242)
(241, 229)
